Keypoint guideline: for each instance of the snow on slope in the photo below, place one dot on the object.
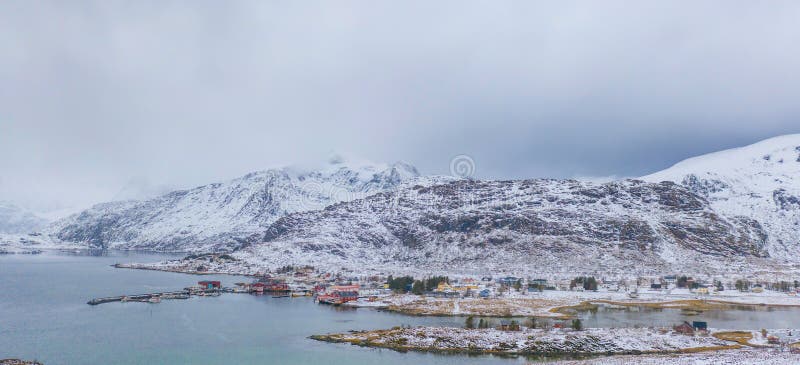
(760, 181)
(14, 219)
(553, 226)
(222, 216)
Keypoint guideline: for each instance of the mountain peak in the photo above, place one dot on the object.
(779, 154)
(222, 216)
(759, 181)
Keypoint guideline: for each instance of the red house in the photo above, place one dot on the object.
(268, 285)
(684, 328)
(339, 295)
(258, 287)
(278, 287)
(209, 284)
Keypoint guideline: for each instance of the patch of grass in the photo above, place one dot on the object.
(693, 350)
(740, 337)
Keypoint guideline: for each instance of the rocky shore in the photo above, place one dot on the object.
(532, 341)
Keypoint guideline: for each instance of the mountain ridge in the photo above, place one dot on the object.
(723, 211)
(523, 225)
(222, 216)
(760, 181)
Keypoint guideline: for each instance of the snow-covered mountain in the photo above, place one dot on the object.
(732, 210)
(222, 216)
(522, 226)
(14, 219)
(760, 181)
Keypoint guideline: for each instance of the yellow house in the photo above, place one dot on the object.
(443, 286)
(701, 290)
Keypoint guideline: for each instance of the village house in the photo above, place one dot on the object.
(462, 287)
(684, 328)
(508, 280)
(506, 325)
(444, 287)
(539, 282)
(339, 294)
(701, 290)
(258, 287)
(700, 325)
(206, 284)
(445, 290)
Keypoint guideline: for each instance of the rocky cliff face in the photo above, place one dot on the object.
(511, 225)
(759, 182)
(223, 216)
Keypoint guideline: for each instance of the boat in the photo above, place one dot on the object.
(155, 299)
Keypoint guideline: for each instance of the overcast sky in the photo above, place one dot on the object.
(94, 95)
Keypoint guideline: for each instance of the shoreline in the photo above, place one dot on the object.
(529, 342)
(546, 308)
(558, 304)
(145, 267)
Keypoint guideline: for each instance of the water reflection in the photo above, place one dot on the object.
(732, 317)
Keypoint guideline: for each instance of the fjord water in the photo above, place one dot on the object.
(44, 316)
(739, 317)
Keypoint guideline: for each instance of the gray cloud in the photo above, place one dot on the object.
(94, 95)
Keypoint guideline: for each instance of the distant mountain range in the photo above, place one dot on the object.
(224, 216)
(14, 220)
(740, 205)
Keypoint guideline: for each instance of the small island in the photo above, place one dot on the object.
(515, 340)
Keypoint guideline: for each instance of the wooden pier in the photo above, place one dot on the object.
(180, 294)
(138, 297)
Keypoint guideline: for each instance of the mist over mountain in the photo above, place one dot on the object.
(14, 219)
(733, 207)
(223, 216)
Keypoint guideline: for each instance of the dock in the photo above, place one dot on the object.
(139, 297)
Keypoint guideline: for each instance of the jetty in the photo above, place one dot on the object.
(181, 294)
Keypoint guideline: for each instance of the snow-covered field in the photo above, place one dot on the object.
(728, 357)
(31, 244)
(544, 304)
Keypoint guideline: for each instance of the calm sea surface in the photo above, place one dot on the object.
(44, 316)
